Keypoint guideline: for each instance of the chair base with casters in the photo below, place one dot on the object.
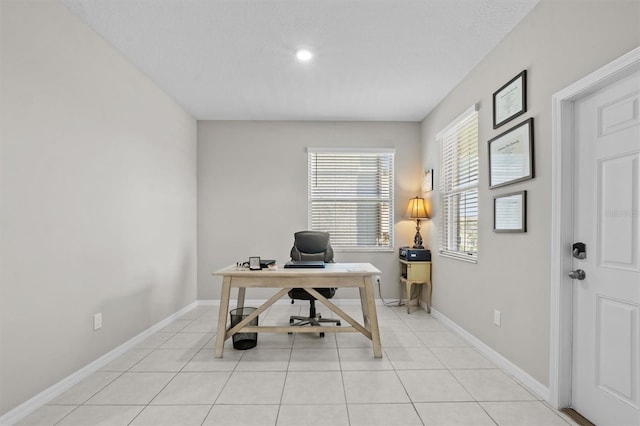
(314, 318)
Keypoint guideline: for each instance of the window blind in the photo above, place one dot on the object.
(458, 233)
(351, 197)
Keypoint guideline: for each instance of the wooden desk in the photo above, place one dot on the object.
(334, 275)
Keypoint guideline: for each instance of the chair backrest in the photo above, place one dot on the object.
(312, 245)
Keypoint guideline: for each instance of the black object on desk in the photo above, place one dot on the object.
(305, 264)
(264, 263)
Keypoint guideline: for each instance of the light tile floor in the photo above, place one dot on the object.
(427, 376)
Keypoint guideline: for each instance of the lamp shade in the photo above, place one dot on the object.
(417, 209)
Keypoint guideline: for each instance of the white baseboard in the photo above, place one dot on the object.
(541, 391)
(21, 411)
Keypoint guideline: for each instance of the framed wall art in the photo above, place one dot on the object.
(511, 155)
(510, 212)
(510, 100)
(427, 181)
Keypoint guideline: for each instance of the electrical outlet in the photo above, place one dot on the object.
(496, 317)
(97, 321)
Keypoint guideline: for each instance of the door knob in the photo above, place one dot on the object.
(578, 274)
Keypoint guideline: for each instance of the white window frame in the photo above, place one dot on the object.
(453, 183)
(336, 244)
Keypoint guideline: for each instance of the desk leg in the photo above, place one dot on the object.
(373, 317)
(408, 288)
(241, 291)
(364, 306)
(222, 316)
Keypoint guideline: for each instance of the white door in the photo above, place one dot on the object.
(606, 322)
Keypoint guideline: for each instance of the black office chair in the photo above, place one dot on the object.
(311, 245)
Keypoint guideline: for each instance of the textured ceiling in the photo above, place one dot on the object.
(381, 60)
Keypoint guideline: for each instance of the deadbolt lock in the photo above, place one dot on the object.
(579, 250)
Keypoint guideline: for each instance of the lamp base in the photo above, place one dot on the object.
(417, 240)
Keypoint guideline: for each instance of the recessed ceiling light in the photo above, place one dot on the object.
(304, 55)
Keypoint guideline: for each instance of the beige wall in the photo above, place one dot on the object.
(559, 42)
(98, 207)
(252, 191)
(98, 186)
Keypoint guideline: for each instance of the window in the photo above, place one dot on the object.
(351, 197)
(459, 187)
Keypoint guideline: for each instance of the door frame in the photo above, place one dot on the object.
(562, 198)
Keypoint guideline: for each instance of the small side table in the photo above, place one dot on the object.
(412, 273)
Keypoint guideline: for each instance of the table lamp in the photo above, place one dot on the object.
(417, 211)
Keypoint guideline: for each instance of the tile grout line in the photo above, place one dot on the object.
(226, 381)
(170, 380)
(286, 374)
(344, 388)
